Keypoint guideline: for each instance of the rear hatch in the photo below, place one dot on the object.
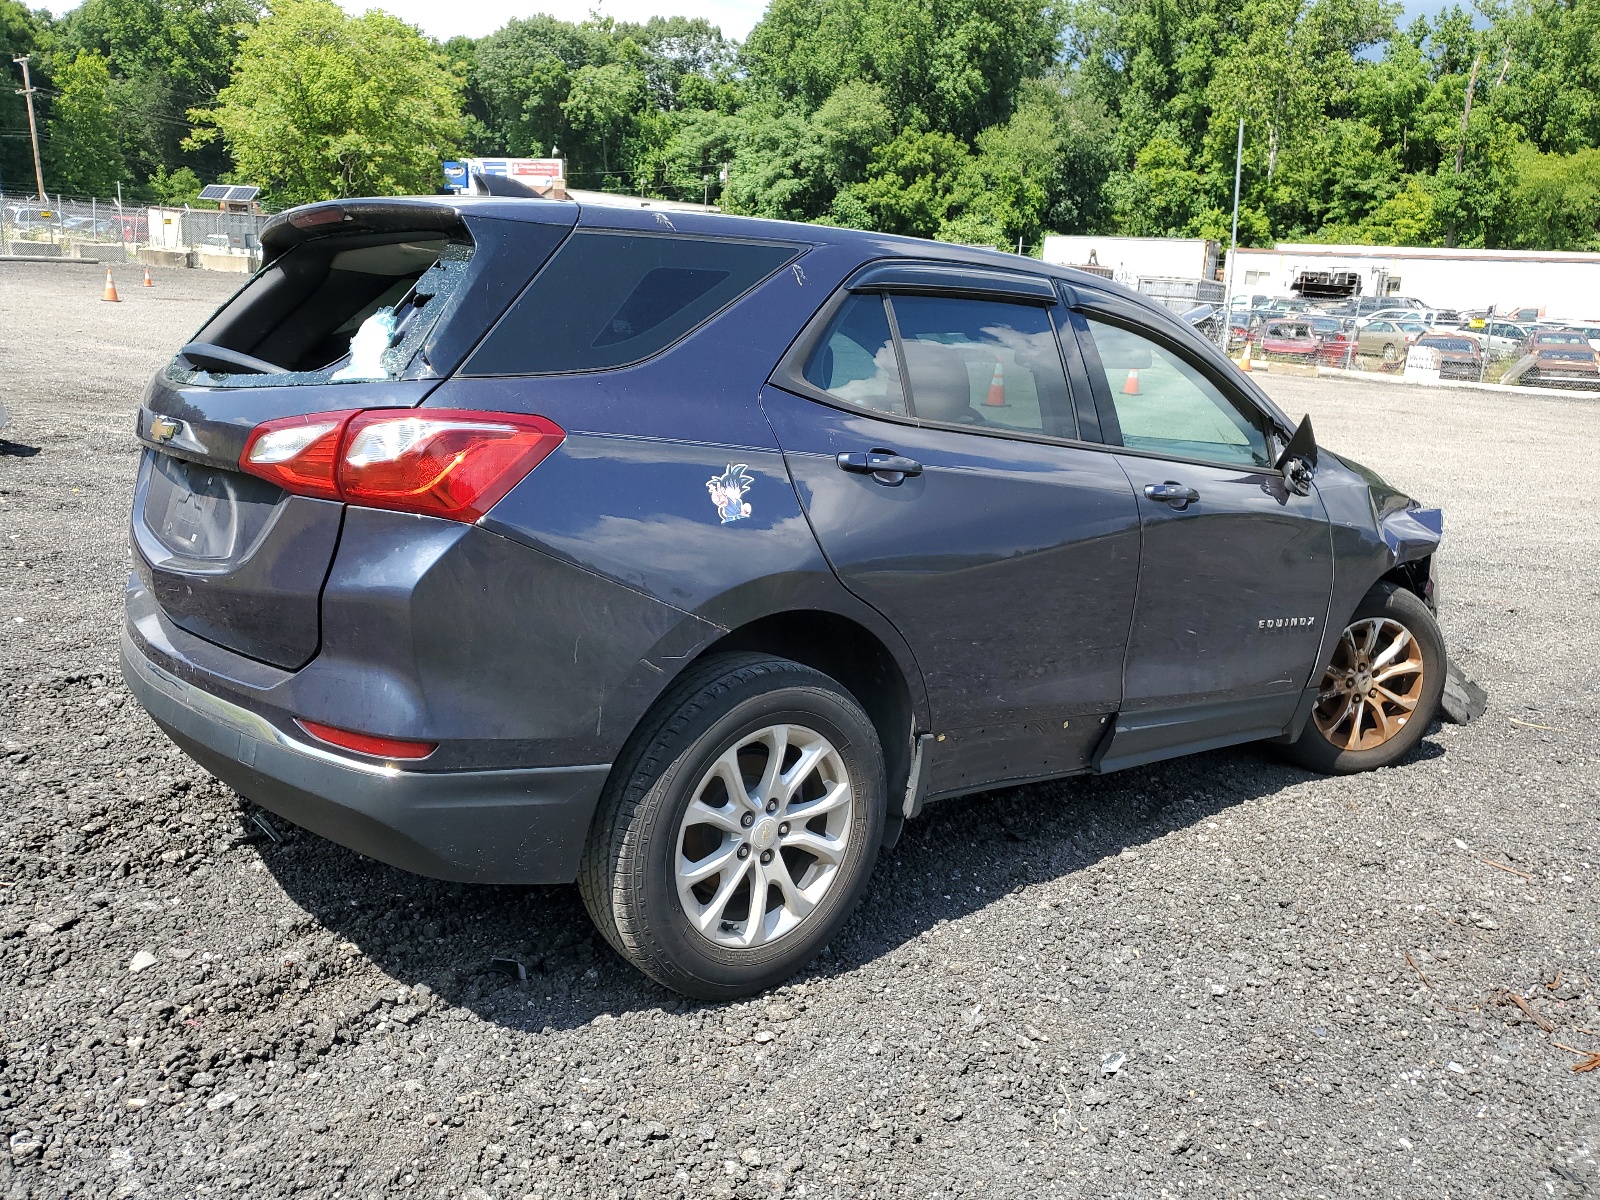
(359, 305)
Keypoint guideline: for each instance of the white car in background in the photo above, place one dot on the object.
(1502, 339)
(1418, 316)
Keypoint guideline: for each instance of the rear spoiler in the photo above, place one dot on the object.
(421, 214)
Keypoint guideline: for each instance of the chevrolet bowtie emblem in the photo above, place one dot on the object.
(164, 429)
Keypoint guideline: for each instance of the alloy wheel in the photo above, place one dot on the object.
(763, 836)
(1371, 686)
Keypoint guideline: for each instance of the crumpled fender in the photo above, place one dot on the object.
(1411, 533)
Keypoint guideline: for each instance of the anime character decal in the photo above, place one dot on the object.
(727, 493)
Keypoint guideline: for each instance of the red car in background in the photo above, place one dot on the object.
(1319, 339)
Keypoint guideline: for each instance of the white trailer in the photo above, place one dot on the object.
(1130, 259)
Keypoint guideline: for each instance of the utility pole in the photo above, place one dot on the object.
(1233, 244)
(27, 89)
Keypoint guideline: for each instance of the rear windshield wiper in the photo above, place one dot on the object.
(209, 356)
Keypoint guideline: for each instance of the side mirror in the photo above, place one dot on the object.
(1298, 462)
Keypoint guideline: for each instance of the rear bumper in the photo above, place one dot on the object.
(501, 826)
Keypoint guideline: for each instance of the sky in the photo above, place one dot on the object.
(475, 18)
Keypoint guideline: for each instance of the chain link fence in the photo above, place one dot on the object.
(1420, 345)
(108, 231)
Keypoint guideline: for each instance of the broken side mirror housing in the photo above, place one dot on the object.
(1298, 462)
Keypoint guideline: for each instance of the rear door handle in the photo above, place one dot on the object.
(1171, 492)
(885, 466)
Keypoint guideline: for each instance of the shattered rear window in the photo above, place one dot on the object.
(361, 323)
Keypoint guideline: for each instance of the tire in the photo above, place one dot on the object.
(1391, 352)
(727, 718)
(1357, 741)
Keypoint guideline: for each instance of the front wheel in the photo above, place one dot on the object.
(740, 828)
(1381, 688)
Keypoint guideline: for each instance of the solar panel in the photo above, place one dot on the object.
(233, 193)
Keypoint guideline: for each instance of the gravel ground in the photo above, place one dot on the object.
(1214, 977)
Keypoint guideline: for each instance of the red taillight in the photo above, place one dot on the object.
(367, 743)
(439, 462)
(299, 454)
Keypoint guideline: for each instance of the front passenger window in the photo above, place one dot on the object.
(1167, 406)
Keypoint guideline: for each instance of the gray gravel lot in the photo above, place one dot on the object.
(1214, 977)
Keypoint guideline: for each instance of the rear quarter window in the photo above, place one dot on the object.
(611, 299)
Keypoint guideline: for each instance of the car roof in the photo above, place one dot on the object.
(874, 245)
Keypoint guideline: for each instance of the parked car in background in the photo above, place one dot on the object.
(1460, 356)
(1591, 332)
(1501, 339)
(1562, 356)
(1292, 338)
(29, 217)
(1383, 339)
(1417, 316)
(1368, 306)
(1327, 326)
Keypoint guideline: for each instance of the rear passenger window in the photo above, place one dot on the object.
(611, 299)
(984, 363)
(855, 360)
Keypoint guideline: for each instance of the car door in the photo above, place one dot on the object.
(933, 439)
(1236, 570)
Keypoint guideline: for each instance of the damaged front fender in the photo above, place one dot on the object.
(1412, 534)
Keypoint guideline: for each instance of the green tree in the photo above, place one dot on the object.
(84, 154)
(959, 63)
(914, 186)
(524, 74)
(1163, 196)
(601, 111)
(324, 105)
(1555, 201)
(165, 58)
(20, 33)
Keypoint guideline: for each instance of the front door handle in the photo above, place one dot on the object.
(1171, 492)
(885, 466)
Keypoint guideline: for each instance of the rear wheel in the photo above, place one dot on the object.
(740, 828)
(1381, 688)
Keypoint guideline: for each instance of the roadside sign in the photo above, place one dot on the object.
(535, 172)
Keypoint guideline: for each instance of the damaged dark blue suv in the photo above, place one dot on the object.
(687, 556)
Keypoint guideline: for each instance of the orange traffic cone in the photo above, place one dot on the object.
(1130, 385)
(148, 282)
(111, 289)
(1244, 360)
(997, 388)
